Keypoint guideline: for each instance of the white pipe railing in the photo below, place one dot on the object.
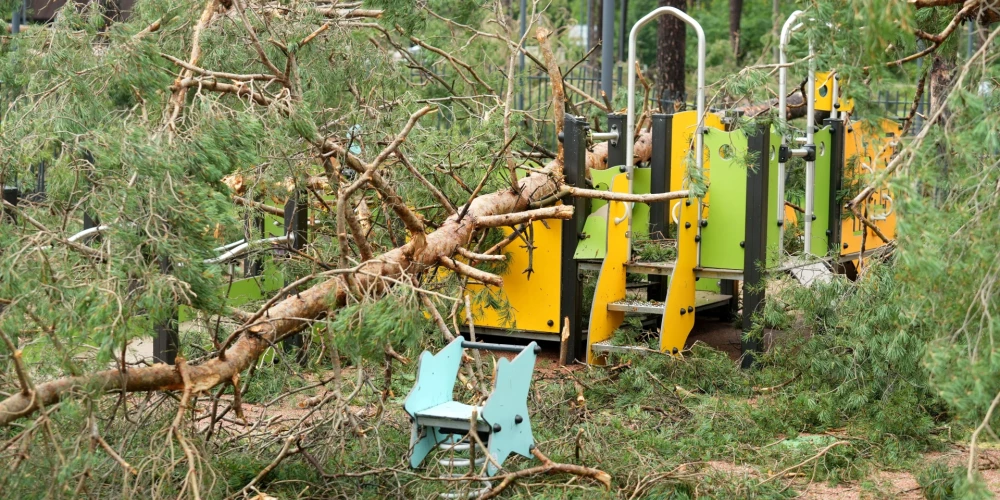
(700, 100)
(87, 233)
(786, 32)
(225, 247)
(242, 248)
(810, 164)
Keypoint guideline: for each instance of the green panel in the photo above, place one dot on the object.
(246, 290)
(594, 244)
(595, 228)
(726, 200)
(707, 285)
(821, 193)
(601, 180)
(773, 245)
(640, 211)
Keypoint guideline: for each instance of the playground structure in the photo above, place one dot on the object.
(726, 241)
(502, 425)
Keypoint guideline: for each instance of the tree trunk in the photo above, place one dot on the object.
(670, 53)
(296, 312)
(775, 27)
(796, 108)
(942, 73)
(735, 13)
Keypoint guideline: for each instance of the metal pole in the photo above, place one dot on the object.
(623, 23)
(630, 121)
(810, 163)
(523, 19)
(607, 47)
(786, 31)
(968, 45)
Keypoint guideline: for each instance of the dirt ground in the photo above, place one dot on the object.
(722, 335)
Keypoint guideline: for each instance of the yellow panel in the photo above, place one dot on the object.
(677, 325)
(823, 93)
(683, 125)
(534, 302)
(825, 102)
(884, 197)
(791, 216)
(611, 282)
(861, 147)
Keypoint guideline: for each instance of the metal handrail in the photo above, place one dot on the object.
(700, 100)
(242, 248)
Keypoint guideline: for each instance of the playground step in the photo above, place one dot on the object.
(637, 284)
(702, 300)
(607, 346)
(666, 268)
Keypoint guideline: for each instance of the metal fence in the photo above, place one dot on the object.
(535, 95)
(898, 105)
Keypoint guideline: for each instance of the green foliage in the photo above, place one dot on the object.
(655, 250)
(363, 330)
(861, 349)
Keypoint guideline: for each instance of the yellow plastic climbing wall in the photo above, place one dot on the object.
(683, 125)
(534, 297)
(678, 316)
(866, 154)
(611, 282)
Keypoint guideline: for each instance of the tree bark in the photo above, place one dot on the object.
(671, 44)
(735, 14)
(796, 108)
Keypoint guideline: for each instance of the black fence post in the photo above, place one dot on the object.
(616, 149)
(38, 194)
(571, 294)
(11, 194)
(296, 225)
(755, 244)
(659, 213)
(167, 332)
(253, 228)
(837, 138)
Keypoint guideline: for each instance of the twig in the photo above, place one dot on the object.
(800, 464)
(556, 79)
(445, 202)
(274, 463)
(612, 196)
(177, 97)
(438, 320)
(41, 227)
(259, 206)
(22, 374)
(473, 256)
(109, 450)
(975, 437)
(548, 467)
(479, 187)
(467, 270)
(557, 212)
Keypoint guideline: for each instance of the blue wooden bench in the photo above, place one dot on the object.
(502, 422)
